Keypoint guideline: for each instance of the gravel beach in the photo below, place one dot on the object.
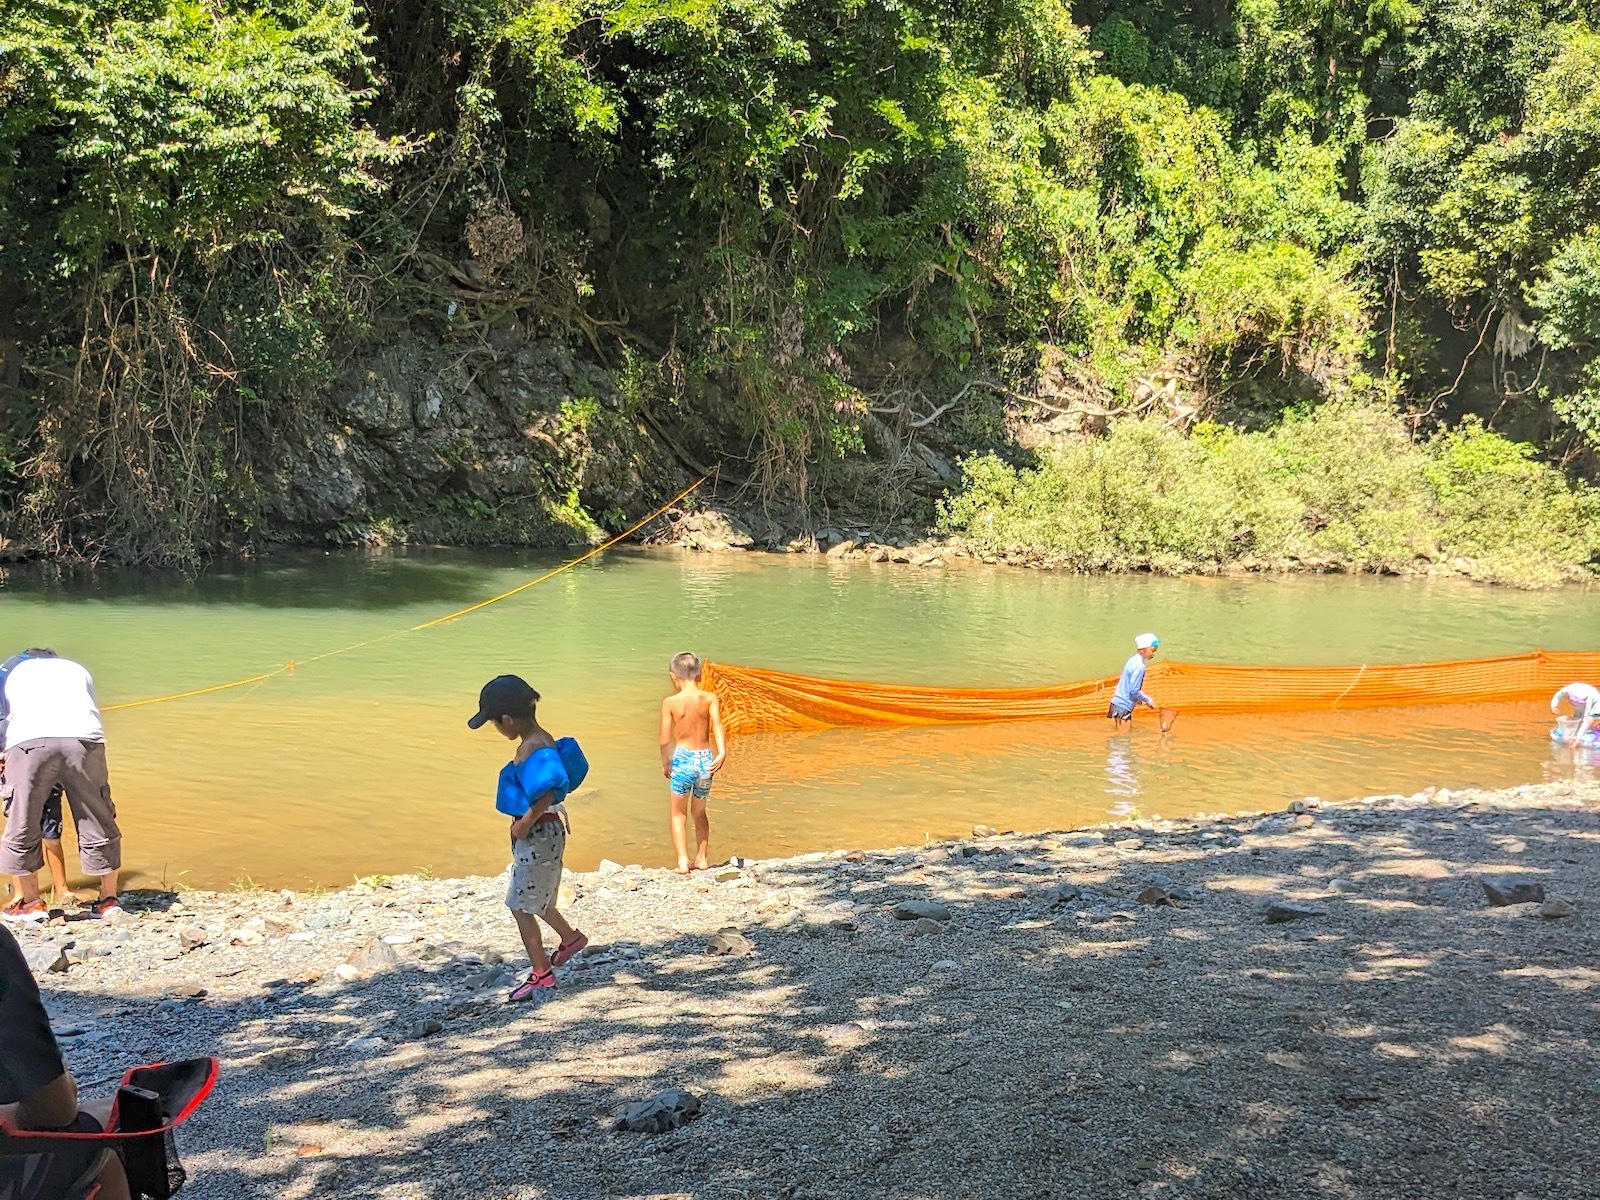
(1330, 1002)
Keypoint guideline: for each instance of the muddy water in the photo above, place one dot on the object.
(362, 763)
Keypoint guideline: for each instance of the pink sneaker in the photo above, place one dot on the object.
(568, 950)
(533, 985)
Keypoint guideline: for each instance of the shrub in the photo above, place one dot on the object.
(1344, 483)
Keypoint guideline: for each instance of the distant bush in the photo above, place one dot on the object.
(1344, 485)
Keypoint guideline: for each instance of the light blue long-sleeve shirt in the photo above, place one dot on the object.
(1130, 688)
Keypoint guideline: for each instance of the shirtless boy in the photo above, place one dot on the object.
(690, 727)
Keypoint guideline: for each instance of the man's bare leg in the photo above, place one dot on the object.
(26, 887)
(680, 834)
(55, 858)
(702, 834)
(108, 884)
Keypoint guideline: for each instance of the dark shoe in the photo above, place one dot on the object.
(104, 905)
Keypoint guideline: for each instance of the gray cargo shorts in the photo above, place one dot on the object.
(32, 770)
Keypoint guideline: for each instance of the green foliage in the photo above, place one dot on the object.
(765, 215)
(1342, 485)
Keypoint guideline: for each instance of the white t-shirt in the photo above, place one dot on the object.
(51, 698)
(1584, 696)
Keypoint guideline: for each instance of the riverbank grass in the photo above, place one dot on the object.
(1343, 486)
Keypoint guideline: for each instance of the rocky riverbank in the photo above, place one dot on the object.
(1334, 1001)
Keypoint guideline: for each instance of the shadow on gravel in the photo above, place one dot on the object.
(1055, 1037)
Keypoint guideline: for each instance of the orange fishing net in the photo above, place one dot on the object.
(757, 701)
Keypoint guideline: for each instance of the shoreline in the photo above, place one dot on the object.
(1110, 1010)
(719, 531)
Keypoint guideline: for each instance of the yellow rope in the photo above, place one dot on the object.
(290, 665)
(566, 566)
(221, 687)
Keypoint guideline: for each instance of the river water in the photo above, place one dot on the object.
(362, 763)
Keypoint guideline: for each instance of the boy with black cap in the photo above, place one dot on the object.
(531, 789)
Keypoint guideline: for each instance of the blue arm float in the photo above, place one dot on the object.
(559, 770)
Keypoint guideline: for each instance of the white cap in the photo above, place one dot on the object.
(1146, 641)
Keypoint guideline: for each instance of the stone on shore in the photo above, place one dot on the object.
(1280, 911)
(729, 942)
(1507, 890)
(374, 955)
(913, 910)
(670, 1110)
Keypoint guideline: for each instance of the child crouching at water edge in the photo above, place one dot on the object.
(532, 786)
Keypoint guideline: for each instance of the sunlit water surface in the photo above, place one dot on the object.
(362, 763)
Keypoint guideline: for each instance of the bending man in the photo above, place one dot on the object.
(1585, 701)
(50, 824)
(54, 735)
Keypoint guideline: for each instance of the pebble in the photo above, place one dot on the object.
(328, 918)
(671, 1109)
(1552, 910)
(1280, 911)
(373, 955)
(729, 942)
(1507, 890)
(913, 910)
(983, 831)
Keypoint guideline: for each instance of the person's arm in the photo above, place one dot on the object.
(1590, 712)
(522, 826)
(666, 740)
(51, 1107)
(719, 738)
(30, 1060)
(1555, 701)
(1140, 695)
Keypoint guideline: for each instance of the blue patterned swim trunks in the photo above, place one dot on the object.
(691, 773)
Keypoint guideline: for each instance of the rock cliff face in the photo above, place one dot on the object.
(511, 441)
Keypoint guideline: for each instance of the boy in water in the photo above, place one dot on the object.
(1130, 691)
(690, 725)
(1585, 701)
(533, 784)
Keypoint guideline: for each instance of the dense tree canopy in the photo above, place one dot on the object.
(769, 213)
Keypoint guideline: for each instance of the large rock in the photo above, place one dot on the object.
(729, 942)
(714, 529)
(672, 1109)
(372, 956)
(46, 959)
(1512, 890)
(914, 910)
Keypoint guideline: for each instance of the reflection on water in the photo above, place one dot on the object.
(363, 763)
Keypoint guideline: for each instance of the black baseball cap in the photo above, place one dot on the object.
(503, 696)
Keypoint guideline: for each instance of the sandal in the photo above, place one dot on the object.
(567, 950)
(535, 983)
